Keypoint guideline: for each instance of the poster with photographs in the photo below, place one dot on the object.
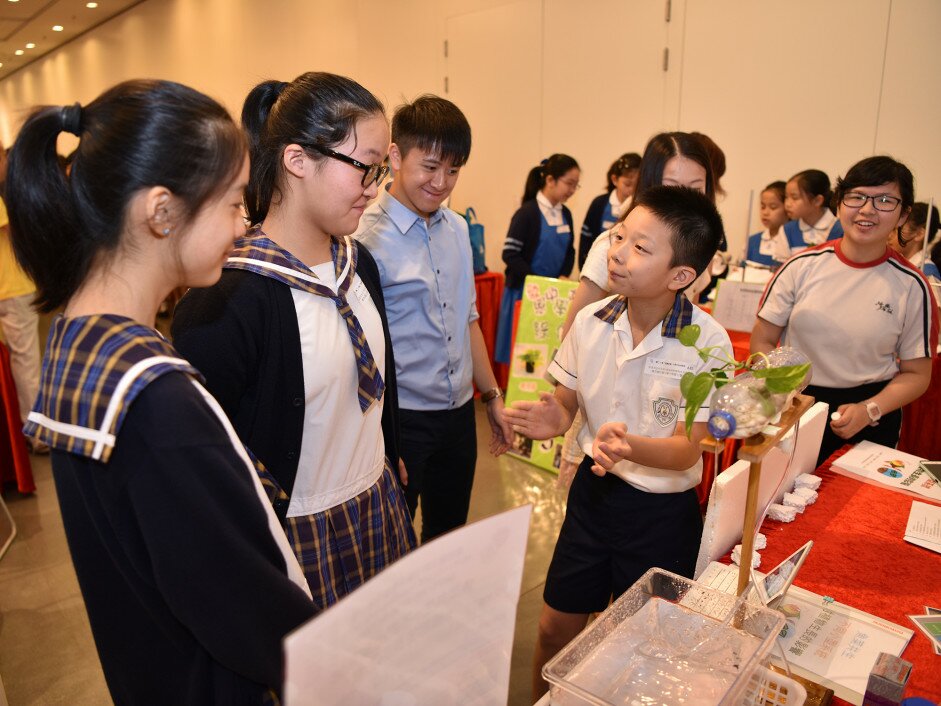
(538, 336)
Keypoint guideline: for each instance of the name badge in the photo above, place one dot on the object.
(665, 368)
(564, 228)
(360, 291)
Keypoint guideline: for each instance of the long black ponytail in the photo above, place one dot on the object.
(136, 135)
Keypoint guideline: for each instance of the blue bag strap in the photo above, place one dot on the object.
(471, 215)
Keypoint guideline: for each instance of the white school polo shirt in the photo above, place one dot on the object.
(639, 386)
(595, 268)
(852, 320)
(342, 449)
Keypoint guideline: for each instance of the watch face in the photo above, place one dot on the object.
(875, 414)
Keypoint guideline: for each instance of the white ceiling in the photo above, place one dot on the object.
(28, 21)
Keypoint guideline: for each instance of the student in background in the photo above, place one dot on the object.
(293, 339)
(864, 315)
(633, 502)
(423, 253)
(188, 579)
(909, 240)
(807, 199)
(606, 209)
(770, 247)
(540, 238)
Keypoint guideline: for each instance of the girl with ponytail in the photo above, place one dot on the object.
(170, 532)
(540, 239)
(293, 340)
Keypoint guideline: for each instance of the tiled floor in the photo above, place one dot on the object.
(47, 655)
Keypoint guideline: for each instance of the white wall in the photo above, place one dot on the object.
(780, 86)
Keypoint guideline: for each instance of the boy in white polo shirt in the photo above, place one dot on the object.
(633, 506)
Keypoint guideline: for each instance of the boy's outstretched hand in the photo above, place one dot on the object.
(538, 420)
(609, 447)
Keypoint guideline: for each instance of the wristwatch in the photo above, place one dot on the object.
(875, 414)
(491, 395)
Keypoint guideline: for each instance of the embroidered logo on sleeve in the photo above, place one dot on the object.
(885, 306)
(665, 411)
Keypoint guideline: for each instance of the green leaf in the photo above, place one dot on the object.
(686, 382)
(720, 382)
(689, 335)
(698, 391)
(783, 379)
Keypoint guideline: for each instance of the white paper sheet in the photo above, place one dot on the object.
(924, 526)
(436, 627)
(736, 304)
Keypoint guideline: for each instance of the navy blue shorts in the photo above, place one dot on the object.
(612, 534)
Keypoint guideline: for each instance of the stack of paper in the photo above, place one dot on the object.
(890, 467)
(924, 526)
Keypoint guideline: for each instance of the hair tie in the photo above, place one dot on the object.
(72, 119)
(544, 163)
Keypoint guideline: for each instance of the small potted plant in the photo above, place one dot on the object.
(531, 359)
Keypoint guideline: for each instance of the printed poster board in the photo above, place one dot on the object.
(736, 304)
(538, 336)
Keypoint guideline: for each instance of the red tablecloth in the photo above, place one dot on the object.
(14, 458)
(921, 421)
(860, 559)
(489, 293)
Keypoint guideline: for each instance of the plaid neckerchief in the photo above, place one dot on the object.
(259, 254)
(681, 315)
(93, 369)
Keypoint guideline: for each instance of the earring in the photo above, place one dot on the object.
(166, 232)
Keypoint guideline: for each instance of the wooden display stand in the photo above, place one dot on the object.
(753, 450)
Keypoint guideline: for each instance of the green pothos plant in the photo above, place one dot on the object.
(695, 387)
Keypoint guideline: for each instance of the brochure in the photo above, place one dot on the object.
(924, 526)
(890, 467)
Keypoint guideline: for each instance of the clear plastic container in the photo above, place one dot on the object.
(742, 408)
(667, 640)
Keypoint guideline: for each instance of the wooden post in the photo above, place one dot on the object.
(754, 450)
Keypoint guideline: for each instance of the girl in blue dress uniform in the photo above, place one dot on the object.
(606, 209)
(540, 238)
(807, 202)
(188, 579)
(770, 247)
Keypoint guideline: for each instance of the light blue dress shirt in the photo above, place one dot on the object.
(427, 277)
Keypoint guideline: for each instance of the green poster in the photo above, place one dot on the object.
(538, 336)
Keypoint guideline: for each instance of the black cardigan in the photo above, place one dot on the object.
(186, 589)
(242, 335)
(592, 227)
(526, 226)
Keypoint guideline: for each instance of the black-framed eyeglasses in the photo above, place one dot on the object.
(882, 202)
(371, 172)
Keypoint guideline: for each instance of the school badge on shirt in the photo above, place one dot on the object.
(665, 411)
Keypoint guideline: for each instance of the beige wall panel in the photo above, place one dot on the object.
(911, 94)
(494, 69)
(768, 82)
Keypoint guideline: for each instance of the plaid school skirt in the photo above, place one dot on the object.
(342, 547)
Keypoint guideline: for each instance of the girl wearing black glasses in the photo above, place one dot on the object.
(293, 340)
(864, 315)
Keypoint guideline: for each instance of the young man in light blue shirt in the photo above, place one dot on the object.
(425, 267)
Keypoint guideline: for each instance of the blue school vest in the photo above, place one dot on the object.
(795, 238)
(553, 245)
(754, 251)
